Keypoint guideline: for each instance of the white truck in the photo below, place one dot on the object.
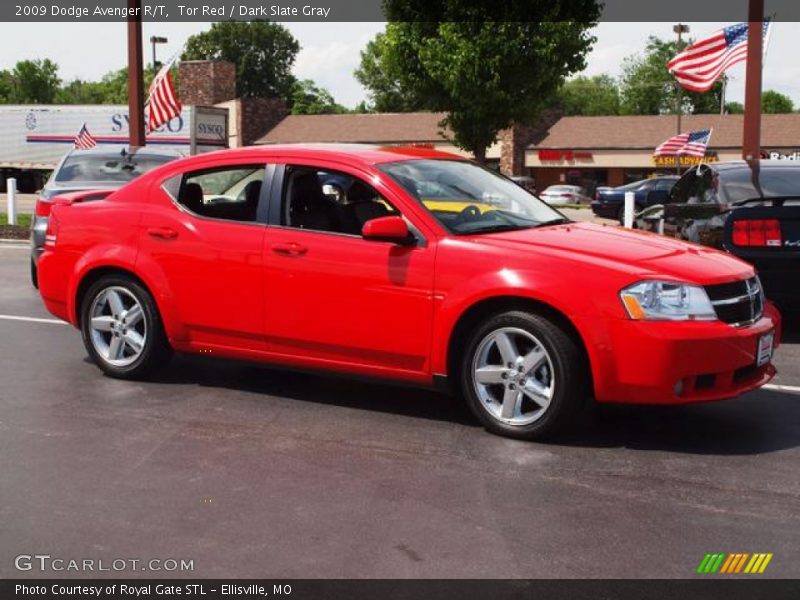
(34, 137)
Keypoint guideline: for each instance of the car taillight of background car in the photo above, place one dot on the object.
(757, 232)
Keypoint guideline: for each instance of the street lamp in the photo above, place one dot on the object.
(154, 39)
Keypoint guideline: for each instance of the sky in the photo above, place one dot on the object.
(330, 51)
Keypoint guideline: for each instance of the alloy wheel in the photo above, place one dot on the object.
(118, 326)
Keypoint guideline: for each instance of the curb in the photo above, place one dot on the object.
(13, 242)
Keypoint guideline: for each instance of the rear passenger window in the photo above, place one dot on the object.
(322, 200)
(230, 193)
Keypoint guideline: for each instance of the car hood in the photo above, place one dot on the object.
(640, 253)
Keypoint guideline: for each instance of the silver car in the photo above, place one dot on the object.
(82, 170)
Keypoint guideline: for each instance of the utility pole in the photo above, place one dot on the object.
(680, 29)
(135, 81)
(751, 142)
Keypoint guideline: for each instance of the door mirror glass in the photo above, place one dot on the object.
(387, 229)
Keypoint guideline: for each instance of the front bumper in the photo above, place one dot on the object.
(663, 362)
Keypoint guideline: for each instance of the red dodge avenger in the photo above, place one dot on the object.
(406, 264)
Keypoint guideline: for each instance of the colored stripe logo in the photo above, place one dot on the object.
(732, 564)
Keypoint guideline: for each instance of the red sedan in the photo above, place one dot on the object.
(407, 264)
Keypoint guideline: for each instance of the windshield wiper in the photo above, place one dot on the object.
(495, 228)
(559, 221)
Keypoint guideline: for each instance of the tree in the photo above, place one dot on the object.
(263, 53)
(310, 99)
(482, 64)
(111, 89)
(648, 88)
(773, 102)
(734, 108)
(589, 96)
(384, 88)
(32, 82)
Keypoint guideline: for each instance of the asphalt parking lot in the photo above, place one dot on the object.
(254, 472)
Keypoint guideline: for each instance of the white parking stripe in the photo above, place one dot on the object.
(33, 319)
(783, 388)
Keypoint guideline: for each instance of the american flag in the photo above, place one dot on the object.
(692, 143)
(84, 139)
(702, 63)
(163, 101)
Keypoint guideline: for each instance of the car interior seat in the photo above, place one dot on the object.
(363, 204)
(193, 197)
(251, 193)
(309, 208)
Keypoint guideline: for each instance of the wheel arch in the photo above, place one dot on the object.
(94, 274)
(486, 307)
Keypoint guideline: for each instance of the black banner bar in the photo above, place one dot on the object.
(317, 589)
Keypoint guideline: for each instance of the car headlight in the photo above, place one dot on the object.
(667, 301)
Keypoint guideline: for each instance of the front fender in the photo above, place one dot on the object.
(547, 289)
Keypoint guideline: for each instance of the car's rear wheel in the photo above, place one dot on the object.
(121, 328)
(523, 376)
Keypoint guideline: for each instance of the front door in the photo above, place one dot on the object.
(335, 297)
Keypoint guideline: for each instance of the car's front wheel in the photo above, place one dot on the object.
(121, 328)
(523, 375)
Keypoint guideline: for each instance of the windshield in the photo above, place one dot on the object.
(781, 181)
(104, 168)
(467, 199)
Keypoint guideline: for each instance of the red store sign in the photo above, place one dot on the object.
(567, 155)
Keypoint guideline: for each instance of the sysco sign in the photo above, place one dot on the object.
(119, 122)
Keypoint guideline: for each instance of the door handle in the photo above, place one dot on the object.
(162, 233)
(291, 249)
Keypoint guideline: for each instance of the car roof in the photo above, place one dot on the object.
(364, 153)
(733, 165)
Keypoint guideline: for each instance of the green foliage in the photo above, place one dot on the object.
(310, 99)
(30, 82)
(481, 63)
(589, 96)
(111, 89)
(384, 87)
(773, 102)
(734, 108)
(647, 88)
(263, 53)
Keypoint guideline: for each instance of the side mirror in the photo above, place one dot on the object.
(387, 229)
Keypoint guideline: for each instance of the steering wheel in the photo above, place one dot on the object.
(469, 213)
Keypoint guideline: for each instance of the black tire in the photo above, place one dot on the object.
(34, 274)
(571, 376)
(156, 350)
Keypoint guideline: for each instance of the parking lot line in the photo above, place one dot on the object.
(783, 388)
(32, 319)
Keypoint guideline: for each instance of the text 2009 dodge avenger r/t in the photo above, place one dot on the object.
(427, 269)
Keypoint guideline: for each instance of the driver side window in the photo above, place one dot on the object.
(332, 201)
(230, 193)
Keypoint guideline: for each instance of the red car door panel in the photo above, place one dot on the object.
(214, 271)
(345, 299)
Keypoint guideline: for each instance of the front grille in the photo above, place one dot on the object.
(737, 303)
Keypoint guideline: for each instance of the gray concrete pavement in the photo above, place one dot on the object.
(257, 472)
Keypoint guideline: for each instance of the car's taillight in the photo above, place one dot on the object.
(51, 234)
(757, 232)
(43, 207)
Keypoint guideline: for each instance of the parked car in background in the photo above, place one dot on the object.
(430, 270)
(610, 202)
(565, 194)
(749, 208)
(95, 169)
(525, 181)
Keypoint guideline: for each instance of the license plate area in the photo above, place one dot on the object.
(764, 350)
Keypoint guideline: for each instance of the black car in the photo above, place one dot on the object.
(749, 208)
(610, 202)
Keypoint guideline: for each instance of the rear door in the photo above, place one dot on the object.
(203, 232)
